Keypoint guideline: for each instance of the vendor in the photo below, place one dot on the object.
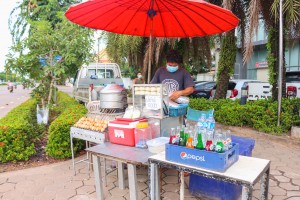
(179, 81)
(139, 79)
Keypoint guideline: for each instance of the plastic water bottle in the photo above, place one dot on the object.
(211, 122)
(202, 122)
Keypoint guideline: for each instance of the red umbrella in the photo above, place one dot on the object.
(158, 18)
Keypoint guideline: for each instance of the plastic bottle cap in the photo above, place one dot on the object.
(142, 125)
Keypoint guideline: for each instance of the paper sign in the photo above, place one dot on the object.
(153, 102)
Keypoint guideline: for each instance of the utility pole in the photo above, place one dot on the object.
(280, 62)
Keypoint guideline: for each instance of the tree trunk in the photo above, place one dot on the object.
(226, 64)
(50, 90)
(273, 55)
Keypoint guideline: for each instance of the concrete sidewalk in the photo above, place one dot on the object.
(57, 181)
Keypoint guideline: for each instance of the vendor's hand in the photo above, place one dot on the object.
(175, 95)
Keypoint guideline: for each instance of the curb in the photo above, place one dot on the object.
(284, 140)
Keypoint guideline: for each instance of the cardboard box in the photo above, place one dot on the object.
(202, 158)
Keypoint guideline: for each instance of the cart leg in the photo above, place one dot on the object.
(182, 185)
(72, 150)
(98, 177)
(154, 182)
(104, 163)
(121, 175)
(247, 193)
(132, 182)
(265, 185)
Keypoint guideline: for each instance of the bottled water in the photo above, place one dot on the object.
(211, 122)
(202, 122)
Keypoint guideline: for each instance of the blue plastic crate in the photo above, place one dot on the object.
(178, 111)
(246, 145)
(208, 188)
(202, 158)
(194, 115)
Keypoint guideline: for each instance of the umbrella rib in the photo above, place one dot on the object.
(133, 17)
(162, 21)
(203, 16)
(175, 17)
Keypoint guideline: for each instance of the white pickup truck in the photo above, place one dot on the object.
(98, 75)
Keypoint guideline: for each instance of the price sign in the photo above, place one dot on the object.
(152, 102)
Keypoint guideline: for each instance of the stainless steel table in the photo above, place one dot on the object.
(123, 155)
(246, 172)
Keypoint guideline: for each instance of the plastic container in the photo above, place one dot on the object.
(178, 111)
(157, 145)
(194, 115)
(142, 134)
(208, 188)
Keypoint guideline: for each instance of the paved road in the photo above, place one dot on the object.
(8, 101)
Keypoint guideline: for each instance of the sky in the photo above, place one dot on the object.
(6, 7)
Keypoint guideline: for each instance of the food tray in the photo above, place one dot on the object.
(178, 111)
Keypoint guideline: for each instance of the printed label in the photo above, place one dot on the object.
(186, 156)
(119, 133)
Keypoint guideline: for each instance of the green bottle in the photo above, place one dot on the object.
(199, 144)
(181, 139)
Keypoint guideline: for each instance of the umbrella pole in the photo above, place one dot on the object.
(150, 59)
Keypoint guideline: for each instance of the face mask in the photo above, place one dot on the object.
(140, 76)
(172, 69)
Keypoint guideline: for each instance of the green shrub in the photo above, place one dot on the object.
(58, 145)
(260, 114)
(18, 132)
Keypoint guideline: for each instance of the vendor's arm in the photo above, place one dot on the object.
(187, 91)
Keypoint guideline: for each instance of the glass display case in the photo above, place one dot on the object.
(151, 99)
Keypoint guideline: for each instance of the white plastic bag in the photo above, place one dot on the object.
(42, 115)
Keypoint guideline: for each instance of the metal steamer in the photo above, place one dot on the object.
(113, 96)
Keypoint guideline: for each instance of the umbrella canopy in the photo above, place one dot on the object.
(158, 18)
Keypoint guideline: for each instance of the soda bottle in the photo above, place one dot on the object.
(209, 143)
(227, 141)
(219, 143)
(211, 122)
(189, 143)
(177, 135)
(199, 144)
(172, 136)
(195, 140)
(181, 139)
(186, 135)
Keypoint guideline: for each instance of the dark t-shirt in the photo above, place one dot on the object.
(178, 80)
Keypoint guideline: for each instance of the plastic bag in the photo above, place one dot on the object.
(132, 113)
(183, 100)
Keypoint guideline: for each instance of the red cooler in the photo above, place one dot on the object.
(121, 131)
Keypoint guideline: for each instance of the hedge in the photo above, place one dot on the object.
(260, 115)
(18, 132)
(58, 145)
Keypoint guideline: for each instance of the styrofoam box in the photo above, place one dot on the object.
(157, 145)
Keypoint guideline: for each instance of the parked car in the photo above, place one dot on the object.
(202, 90)
(235, 88)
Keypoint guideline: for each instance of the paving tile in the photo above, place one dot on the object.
(73, 184)
(296, 182)
(3, 180)
(276, 172)
(80, 197)
(45, 196)
(118, 192)
(116, 198)
(5, 187)
(293, 193)
(282, 179)
(12, 194)
(142, 186)
(292, 175)
(171, 179)
(65, 194)
(170, 196)
(288, 186)
(293, 198)
(171, 172)
(87, 189)
(279, 198)
(276, 191)
(142, 178)
(171, 187)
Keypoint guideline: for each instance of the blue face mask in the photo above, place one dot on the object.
(172, 69)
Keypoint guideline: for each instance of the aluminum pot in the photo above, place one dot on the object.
(113, 96)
